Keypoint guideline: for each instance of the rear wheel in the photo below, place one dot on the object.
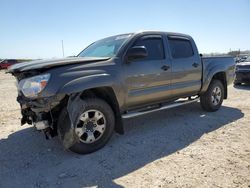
(94, 125)
(212, 99)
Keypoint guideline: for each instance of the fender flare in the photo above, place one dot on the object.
(209, 76)
(82, 84)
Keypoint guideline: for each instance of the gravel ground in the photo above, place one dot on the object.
(181, 147)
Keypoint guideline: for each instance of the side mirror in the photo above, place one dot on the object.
(137, 52)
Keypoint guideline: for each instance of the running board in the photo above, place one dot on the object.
(167, 106)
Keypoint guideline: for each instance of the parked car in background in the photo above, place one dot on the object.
(242, 72)
(243, 58)
(7, 62)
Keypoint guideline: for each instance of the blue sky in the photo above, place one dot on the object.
(35, 28)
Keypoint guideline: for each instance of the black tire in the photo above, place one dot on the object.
(206, 98)
(85, 105)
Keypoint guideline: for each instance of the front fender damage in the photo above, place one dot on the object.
(66, 129)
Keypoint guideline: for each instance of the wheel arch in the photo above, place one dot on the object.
(107, 94)
(221, 76)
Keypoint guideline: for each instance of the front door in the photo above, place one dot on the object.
(148, 79)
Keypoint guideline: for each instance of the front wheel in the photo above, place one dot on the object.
(212, 99)
(94, 125)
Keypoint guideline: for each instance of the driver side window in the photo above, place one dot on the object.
(154, 46)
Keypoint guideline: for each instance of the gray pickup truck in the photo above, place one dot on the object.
(83, 99)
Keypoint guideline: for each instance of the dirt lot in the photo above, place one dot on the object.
(182, 147)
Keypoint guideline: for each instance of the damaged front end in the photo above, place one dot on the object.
(42, 113)
(36, 109)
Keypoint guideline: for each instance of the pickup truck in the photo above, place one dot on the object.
(84, 99)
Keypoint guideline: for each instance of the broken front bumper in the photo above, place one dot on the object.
(40, 112)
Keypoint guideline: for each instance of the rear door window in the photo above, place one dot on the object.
(180, 48)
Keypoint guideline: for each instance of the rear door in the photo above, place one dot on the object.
(186, 66)
(148, 79)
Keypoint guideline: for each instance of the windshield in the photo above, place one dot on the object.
(107, 47)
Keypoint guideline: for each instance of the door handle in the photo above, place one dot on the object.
(195, 65)
(165, 67)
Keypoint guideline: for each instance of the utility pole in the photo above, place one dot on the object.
(62, 48)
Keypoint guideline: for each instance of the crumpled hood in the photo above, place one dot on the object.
(49, 63)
